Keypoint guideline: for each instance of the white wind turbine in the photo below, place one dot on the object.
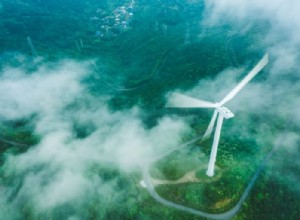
(177, 100)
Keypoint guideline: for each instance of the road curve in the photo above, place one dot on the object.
(226, 215)
(17, 144)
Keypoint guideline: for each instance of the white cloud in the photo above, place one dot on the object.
(56, 171)
(44, 91)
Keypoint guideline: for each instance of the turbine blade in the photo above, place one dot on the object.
(177, 100)
(214, 149)
(261, 64)
(210, 126)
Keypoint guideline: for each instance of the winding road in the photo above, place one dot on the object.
(144, 82)
(226, 215)
(17, 144)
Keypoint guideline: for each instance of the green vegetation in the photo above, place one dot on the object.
(215, 195)
(16, 137)
(152, 62)
(175, 165)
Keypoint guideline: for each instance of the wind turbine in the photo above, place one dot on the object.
(177, 100)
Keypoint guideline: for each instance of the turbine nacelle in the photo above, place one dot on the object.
(225, 112)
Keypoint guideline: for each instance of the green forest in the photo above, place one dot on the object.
(137, 53)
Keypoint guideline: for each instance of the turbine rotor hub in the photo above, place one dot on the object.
(225, 112)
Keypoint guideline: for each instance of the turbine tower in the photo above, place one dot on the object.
(177, 100)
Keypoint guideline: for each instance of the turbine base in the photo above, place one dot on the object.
(209, 173)
(143, 184)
